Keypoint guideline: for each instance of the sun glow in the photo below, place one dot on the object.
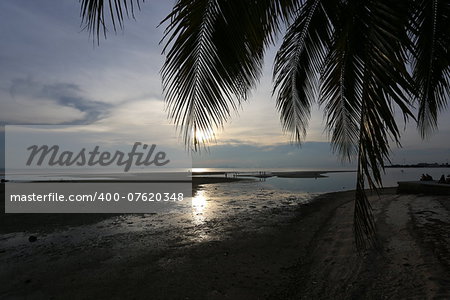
(199, 170)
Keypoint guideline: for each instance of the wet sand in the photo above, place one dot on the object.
(283, 253)
(46, 222)
(413, 260)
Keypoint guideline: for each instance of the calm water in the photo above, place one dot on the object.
(217, 209)
(347, 181)
(253, 194)
(338, 181)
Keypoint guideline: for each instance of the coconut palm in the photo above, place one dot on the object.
(360, 60)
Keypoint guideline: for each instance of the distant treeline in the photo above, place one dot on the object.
(421, 165)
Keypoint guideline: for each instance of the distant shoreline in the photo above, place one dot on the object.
(422, 166)
(266, 174)
(197, 177)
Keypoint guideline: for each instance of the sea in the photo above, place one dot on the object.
(334, 180)
(214, 210)
(251, 192)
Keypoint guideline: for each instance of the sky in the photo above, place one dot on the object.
(52, 73)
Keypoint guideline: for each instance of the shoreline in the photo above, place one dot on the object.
(196, 177)
(308, 254)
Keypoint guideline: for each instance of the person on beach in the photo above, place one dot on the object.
(442, 179)
(426, 177)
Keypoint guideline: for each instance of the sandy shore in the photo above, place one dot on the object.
(303, 253)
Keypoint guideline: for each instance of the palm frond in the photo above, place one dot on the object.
(431, 38)
(364, 77)
(215, 58)
(341, 93)
(93, 14)
(296, 67)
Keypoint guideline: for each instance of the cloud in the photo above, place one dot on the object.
(69, 95)
(31, 102)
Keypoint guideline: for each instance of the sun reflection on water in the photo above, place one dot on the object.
(199, 205)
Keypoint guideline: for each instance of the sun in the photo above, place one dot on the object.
(202, 136)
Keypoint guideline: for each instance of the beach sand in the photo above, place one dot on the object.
(306, 253)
